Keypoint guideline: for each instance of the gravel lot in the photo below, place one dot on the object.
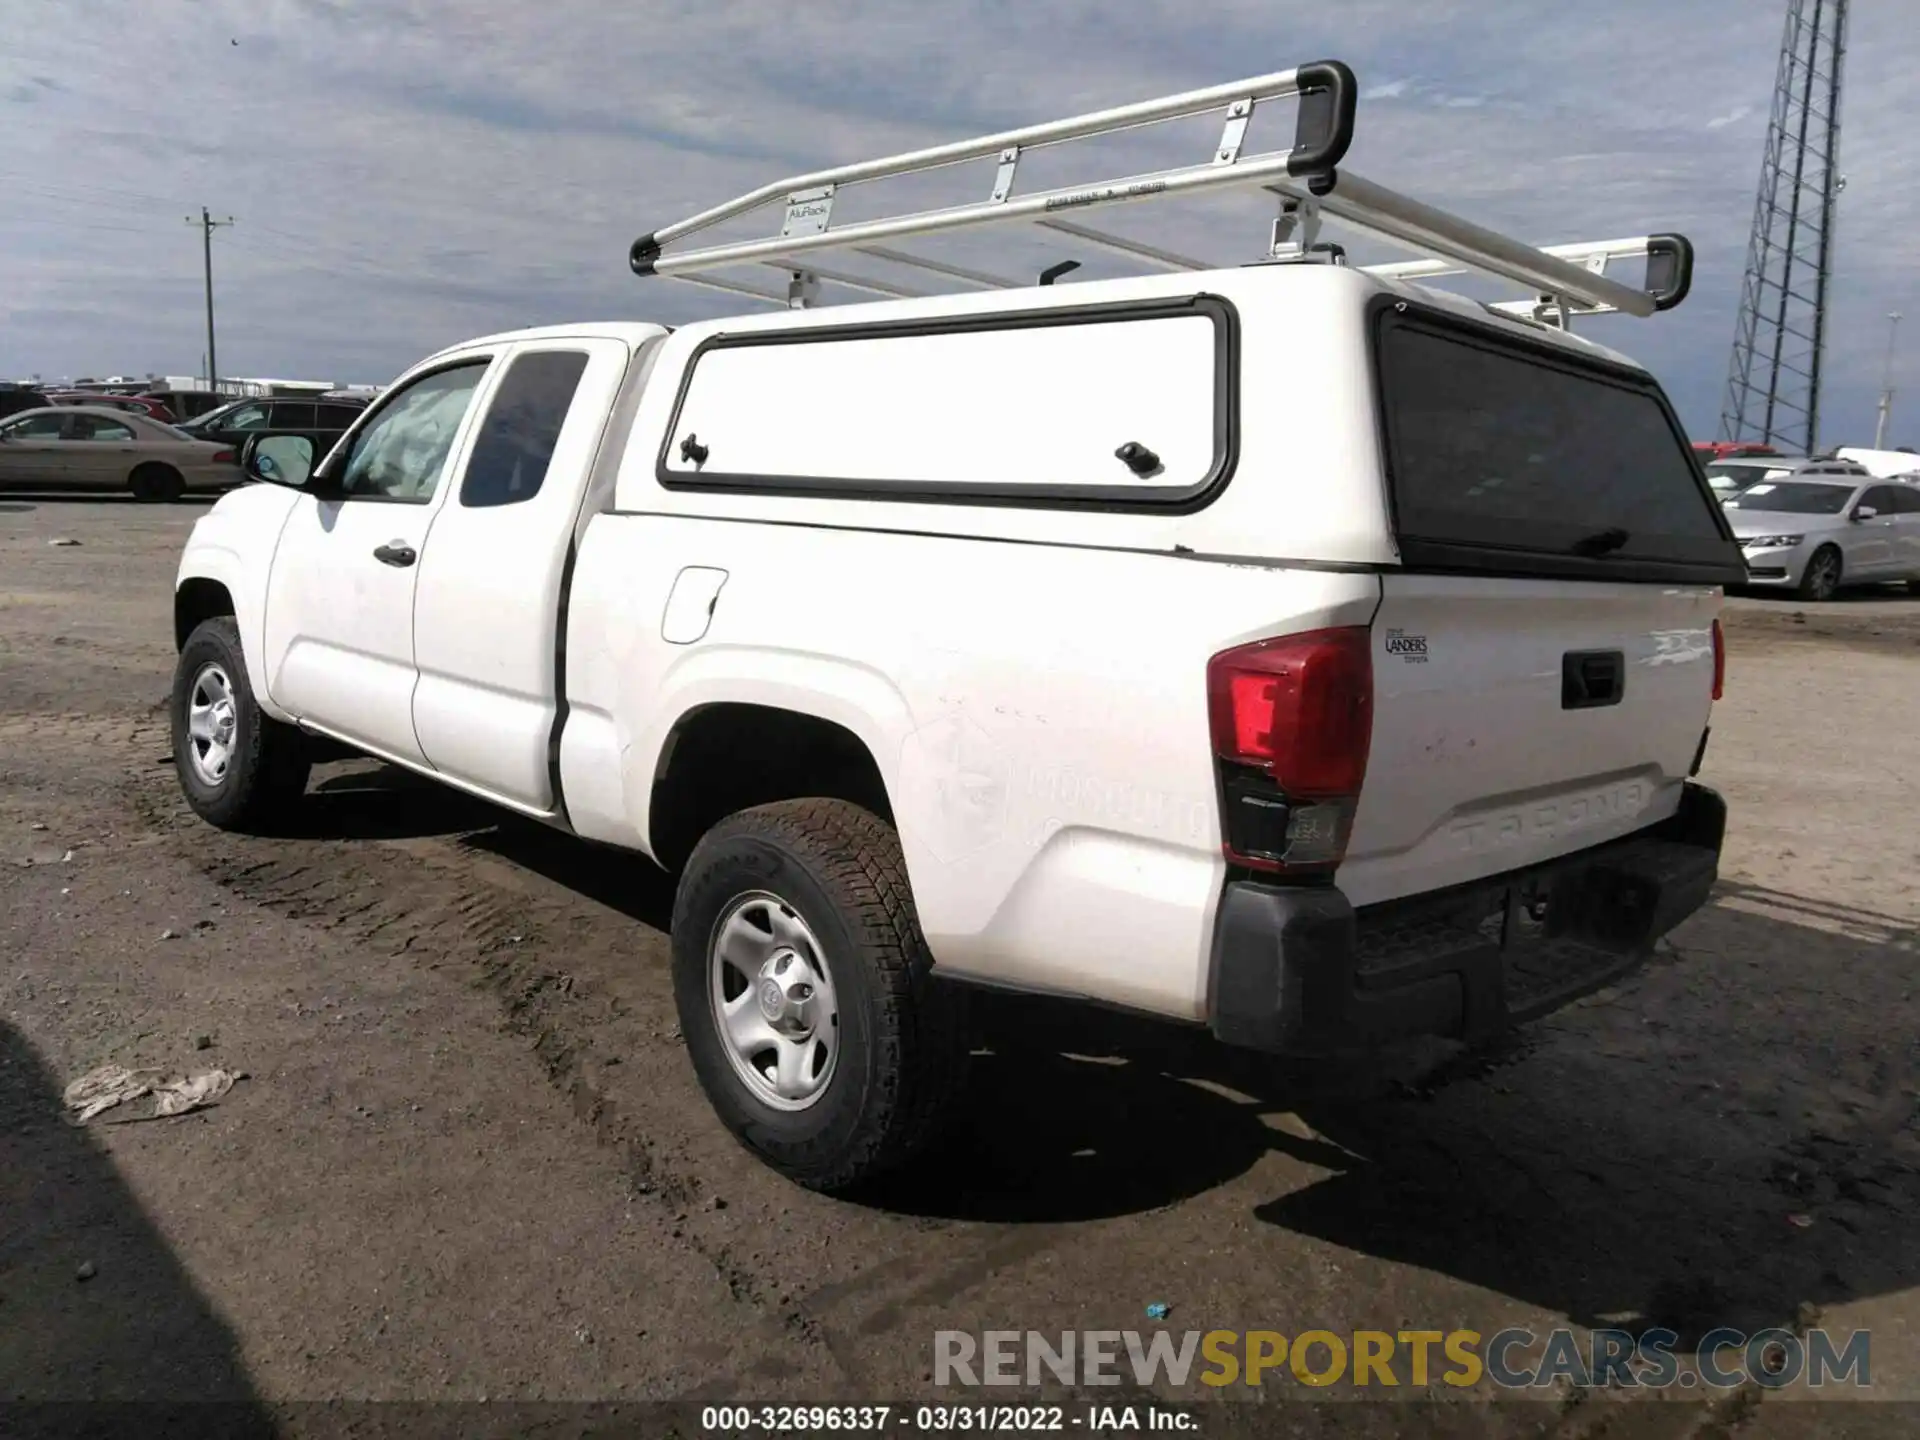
(470, 1160)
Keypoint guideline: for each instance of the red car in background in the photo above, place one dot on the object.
(1711, 450)
(133, 404)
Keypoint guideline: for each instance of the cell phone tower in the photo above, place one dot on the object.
(1773, 384)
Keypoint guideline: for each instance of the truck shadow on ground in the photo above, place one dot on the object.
(1725, 1141)
(365, 800)
(1730, 1146)
(136, 1328)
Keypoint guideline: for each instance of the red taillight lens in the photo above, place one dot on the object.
(223, 457)
(1299, 708)
(1719, 659)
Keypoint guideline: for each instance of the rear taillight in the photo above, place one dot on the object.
(1719, 659)
(1292, 720)
(223, 457)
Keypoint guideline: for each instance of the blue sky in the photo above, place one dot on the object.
(411, 172)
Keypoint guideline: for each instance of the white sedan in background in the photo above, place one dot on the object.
(86, 447)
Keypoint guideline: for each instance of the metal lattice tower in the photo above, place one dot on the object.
(1773, 384)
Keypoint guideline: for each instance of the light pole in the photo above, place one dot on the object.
(1886, 384)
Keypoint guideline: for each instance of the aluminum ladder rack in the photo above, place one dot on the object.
(1304, 180)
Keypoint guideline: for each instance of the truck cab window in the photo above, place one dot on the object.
(522, 426)
(402, 452)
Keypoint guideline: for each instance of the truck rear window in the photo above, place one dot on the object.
(1506, 458)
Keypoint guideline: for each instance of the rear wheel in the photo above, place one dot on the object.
(805, 994)
(1821, 579)
(156, 482)
(239, 768)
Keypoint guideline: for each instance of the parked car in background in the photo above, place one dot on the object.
(186, 404)
(1731, 476)
(1813, 533)
(1710, 450)
(15, 398)
(77, 447)
(321, 421)
(1882, 463)
(131, 404)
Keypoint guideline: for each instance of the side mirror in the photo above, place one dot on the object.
(278, 459)
(1864, 512)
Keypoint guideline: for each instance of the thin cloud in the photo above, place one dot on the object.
(409, 174)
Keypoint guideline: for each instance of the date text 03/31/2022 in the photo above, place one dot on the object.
(792, 1419)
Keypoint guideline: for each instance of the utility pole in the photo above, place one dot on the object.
(207, 226)
(1886, 384)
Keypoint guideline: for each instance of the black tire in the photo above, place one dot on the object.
(265, 770)
(901, 1040)
(154, 481)
(1821, 579)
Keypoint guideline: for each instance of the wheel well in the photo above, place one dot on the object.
(196, 601)
(725, 758)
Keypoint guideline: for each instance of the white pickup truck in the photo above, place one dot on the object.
(1290, 649)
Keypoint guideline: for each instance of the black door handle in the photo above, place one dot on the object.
(1592, 678)
(396, 553)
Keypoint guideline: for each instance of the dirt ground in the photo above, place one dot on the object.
(469, 1158)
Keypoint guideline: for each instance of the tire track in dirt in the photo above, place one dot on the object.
(375, 895)
(444, 902)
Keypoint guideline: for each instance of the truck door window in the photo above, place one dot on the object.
(401, 453)
(522, 425)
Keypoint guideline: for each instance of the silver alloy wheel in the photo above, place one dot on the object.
(212, 721)
(773, 1001)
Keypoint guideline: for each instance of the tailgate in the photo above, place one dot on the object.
(1544, 662)
(1519, 720)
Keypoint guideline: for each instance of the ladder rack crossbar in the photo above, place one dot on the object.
(1281, 84)
(1582, 253)
(1305, 179)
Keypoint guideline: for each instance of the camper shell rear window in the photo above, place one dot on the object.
(1516, 458)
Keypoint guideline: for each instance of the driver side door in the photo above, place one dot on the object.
(30, 450)
(339, 624)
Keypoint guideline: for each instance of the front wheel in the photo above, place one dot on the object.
(239, 768)
(1821, 580)
(805, 995)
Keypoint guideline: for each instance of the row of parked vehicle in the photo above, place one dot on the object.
(116, 442)
(1815, 523)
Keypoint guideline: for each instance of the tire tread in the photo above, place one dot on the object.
(270, 766)
(920, 1040)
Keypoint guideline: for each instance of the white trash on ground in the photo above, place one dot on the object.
(110, 1085)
